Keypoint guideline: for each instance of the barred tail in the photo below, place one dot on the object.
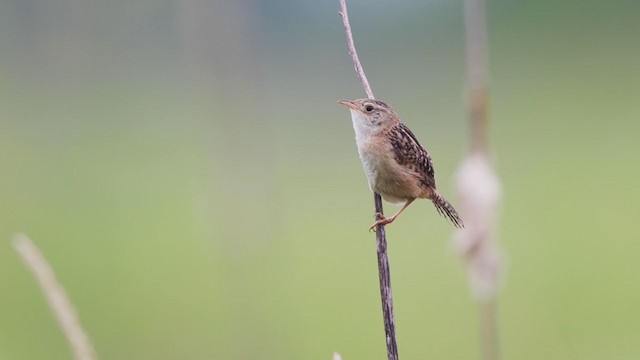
(445, 209)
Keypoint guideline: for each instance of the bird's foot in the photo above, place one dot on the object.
(381, 221)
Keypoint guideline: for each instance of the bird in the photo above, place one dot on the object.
(397, 166)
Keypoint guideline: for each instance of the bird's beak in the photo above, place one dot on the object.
(348, 104)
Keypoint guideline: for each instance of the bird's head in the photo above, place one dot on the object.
(370, 116)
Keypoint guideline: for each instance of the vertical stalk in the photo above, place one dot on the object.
(477, 69)
(478, 185)
(489, 340)
(381, 238)
(385, 286)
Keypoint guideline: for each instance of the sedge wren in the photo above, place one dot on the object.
(397, 166)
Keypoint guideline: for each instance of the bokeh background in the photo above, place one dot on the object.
(185, 168)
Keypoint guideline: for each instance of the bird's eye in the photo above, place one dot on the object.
(369, 108)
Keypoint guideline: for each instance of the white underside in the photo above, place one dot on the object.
(373, 165)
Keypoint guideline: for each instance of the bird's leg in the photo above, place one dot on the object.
(384, 221)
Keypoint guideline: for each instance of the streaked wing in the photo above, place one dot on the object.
(408, 152)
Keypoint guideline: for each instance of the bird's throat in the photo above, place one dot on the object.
(363, 128)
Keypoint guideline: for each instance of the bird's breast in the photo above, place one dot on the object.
(375, 157)
(386, 177)
(378, 162)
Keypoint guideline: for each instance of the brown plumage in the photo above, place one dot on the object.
(396, 165)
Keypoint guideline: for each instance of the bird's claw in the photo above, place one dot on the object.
(381, 221)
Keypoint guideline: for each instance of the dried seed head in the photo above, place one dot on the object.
(479, 192)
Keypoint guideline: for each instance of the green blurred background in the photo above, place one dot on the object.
(186, 170)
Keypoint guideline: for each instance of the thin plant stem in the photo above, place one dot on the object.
(56, 296)
(480, 199)
(477, 72)
(489, 338)
(381, 239)
(352, 50)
